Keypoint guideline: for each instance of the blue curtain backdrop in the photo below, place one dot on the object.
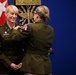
(63, 20)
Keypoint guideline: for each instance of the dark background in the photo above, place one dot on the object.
(63, 20)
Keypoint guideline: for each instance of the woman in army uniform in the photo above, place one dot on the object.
(11, 52)
(40, 37)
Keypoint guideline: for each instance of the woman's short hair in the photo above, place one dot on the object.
(13, 7)
(43, 12)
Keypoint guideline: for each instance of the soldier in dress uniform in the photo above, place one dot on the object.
(36, 60)
(11, 52)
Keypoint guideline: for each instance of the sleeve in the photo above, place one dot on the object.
(3, 59)
(20, 34)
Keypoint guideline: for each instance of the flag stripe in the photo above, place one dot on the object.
(3, 17)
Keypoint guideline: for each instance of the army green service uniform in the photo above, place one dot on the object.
(10, 51)
(40, 37)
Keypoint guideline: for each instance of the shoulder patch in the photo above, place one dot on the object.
(25, 26)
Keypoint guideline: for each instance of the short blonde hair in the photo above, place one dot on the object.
(13, 7)
(43, 12)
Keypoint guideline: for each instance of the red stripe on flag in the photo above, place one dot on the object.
(2, 12)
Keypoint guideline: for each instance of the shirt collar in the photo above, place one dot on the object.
(10, 26)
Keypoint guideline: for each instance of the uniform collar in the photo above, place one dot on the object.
(10, 26)
(41, 21)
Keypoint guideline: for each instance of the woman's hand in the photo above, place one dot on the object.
(17, 27)
(16, 67)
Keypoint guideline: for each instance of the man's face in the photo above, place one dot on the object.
(11, 16)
